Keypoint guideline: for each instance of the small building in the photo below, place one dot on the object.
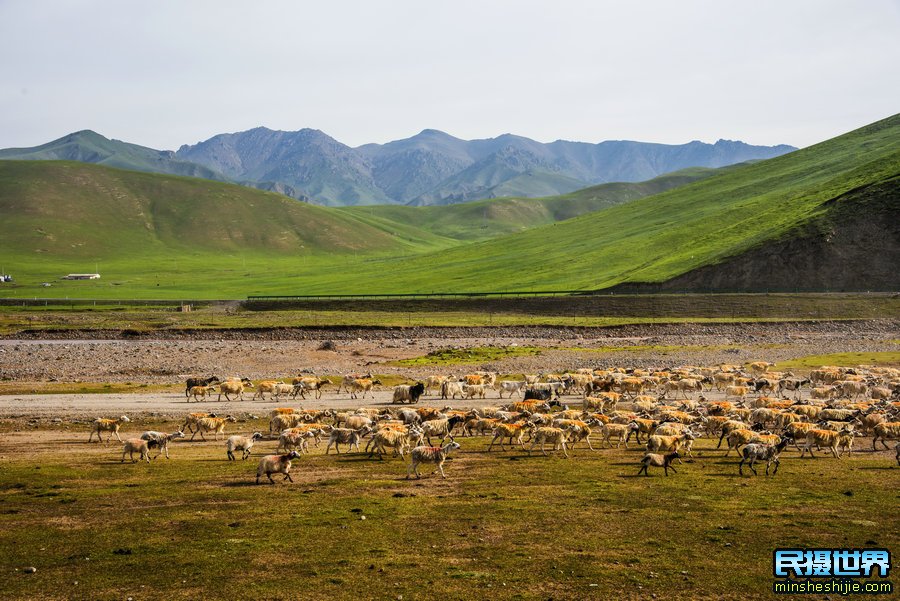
(82, 276)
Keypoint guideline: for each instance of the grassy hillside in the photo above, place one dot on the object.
(484, 219)
(662, 236)
(75, 211)
(156, 236)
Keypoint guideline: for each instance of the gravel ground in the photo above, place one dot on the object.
(285, 353)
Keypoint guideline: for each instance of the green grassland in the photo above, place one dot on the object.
(154, 236)
(503, 525)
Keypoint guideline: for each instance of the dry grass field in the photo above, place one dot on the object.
(503, 525)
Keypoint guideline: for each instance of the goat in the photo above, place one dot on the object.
(473, 390)
(348, 379)
(346, 436)
(434, 382)
(828, 439)
(212, 424)
(443, 427)
(656, 460)
(283, 421)
(762, 452)
(101, 425)
(644, 426)
(511, 386)
(557, 436)
(429, 454)
(201, 391)
(450, 389)
(405, 393)
(282, 388)
(364, 385)
(191, 421)
(192, 382)
(237, 387)
(668, 443)
(480, 425)
(622, 432)
(578, 430)
(302, 384)
(394, 439)
(510, 431)
(263, 387)
(161, 440)
(738, 438)
(885, 431)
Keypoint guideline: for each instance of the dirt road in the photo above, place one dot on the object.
(164, 405)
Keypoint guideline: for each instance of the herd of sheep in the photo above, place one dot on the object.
(760, 414)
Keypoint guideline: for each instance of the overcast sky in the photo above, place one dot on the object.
(163, 73)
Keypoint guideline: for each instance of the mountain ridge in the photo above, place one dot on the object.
(429, 168)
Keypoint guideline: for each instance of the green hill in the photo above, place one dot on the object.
(829, 210)
(666, 235)
(72, 211)
(484, 219)
(189, 236)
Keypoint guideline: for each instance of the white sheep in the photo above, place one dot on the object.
(276, 464)
(241, 443)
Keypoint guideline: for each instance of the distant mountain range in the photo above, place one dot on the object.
(430, 168)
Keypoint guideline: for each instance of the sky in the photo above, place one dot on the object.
(170, 72)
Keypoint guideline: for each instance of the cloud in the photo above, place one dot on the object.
(166, 73)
